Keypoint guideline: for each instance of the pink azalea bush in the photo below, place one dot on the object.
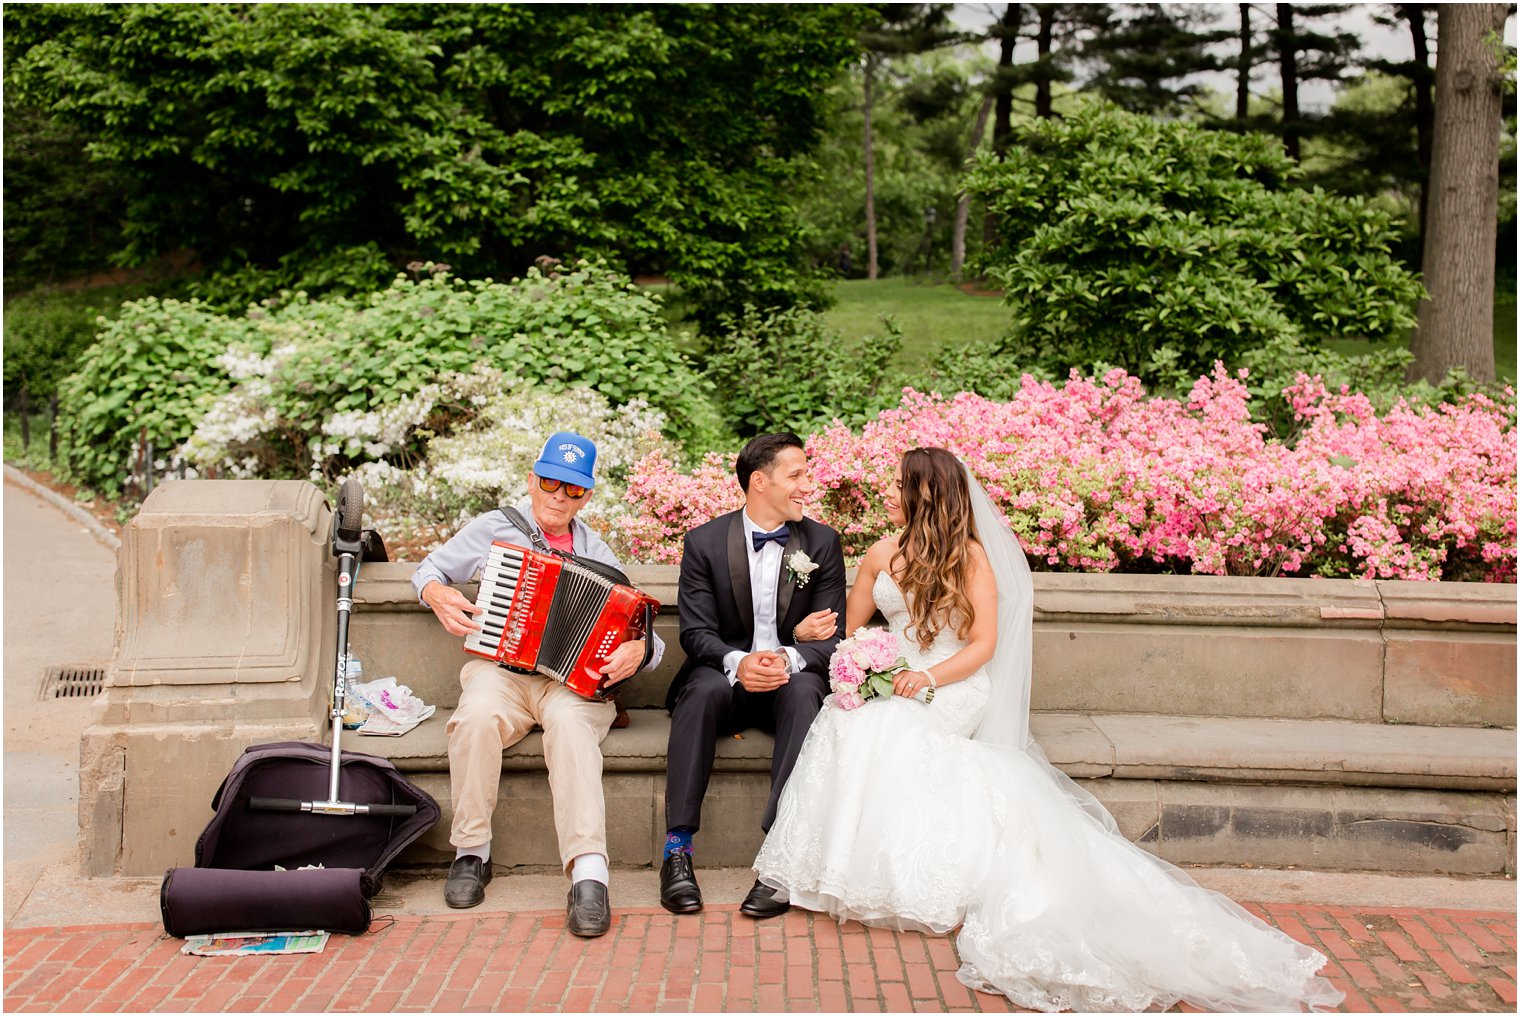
(1093, 475)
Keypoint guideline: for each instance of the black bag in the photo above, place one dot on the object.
(240, 842)
(241, 837)
(205, 901)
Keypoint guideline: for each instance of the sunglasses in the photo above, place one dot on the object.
(572, 490)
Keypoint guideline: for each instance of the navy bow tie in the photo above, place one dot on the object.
(761, 539)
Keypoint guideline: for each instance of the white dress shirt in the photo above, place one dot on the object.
(764, 570)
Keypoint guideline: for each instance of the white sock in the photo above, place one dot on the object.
(482, 851)
(592, 866)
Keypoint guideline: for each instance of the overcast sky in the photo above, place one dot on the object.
(1382, 41)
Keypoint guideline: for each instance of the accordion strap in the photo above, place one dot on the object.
(601, 568)
(528, 529)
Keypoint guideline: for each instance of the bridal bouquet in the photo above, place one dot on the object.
(863, 666)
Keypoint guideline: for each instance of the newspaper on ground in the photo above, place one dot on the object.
(255, 943)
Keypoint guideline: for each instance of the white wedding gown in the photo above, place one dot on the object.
(893, 816)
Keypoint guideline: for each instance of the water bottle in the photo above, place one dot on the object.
(354, 711)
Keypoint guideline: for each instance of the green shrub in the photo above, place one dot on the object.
(1119, 234)
(343, 271)
(47, 330)
(150, 373)
(281, 377)
(988, 367)
(786, 370)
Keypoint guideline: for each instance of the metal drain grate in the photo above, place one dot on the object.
(71, 683)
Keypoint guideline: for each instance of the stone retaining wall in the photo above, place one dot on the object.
(224, 639)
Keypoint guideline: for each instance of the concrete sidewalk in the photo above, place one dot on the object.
(1413, 942)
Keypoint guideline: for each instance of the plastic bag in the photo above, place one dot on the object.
(393, 709)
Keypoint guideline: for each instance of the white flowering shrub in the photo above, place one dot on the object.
(298, 387)
(456, 447)
(484, 462)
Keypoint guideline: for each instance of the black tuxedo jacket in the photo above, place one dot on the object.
(717, 615)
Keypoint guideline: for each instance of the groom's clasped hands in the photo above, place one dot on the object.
(769, 669)
(763, 671)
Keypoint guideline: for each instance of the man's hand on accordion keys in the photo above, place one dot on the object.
(624, 661)
(452, 608)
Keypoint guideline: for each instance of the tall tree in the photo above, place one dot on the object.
(900, 29)
(1422, 80)
(963, 202)
(1006, 32)
(273, 135)
(1058, 31)
(1244, 61)
(1149, 55)
(1456, 321)
(1305, 54)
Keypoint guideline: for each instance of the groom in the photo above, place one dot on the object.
(747, 579)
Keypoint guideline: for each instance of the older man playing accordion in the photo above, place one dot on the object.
(499, 706)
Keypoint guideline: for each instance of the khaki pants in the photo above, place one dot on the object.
(496, 709)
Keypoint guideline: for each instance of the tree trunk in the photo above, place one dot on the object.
(872, 269)
(1243, 75)
(1043, 107)
(1457, 320)
(1007, 33)
(963, 206)
(1287, 54)
(1424, 107)
(1008, 36)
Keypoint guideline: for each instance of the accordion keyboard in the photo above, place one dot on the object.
(503, 579)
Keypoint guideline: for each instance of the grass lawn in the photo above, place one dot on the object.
(1504, 331)
(931, 315)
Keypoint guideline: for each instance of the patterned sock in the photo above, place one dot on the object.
(678, 838)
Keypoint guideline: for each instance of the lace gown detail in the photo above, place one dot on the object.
(894, 817)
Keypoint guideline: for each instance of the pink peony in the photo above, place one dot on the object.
(844, 669)
(848, 699)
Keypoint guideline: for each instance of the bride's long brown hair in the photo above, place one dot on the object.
(932, 564)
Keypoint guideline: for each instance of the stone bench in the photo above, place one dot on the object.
(1208, 790)
(1332, 724)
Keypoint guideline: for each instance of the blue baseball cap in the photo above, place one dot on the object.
(567, 457)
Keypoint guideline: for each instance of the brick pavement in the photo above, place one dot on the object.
(1386, 960)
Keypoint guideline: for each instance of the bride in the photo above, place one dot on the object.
(930, 816)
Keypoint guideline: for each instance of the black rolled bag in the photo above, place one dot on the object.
(208, 901)
(334, 862)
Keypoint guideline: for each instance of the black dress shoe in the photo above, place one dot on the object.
(466, 885)
(679, 892)
(763, 902)
(587, 912)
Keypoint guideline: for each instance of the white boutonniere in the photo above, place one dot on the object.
(800, 568)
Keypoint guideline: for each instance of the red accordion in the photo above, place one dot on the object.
(561, 617)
